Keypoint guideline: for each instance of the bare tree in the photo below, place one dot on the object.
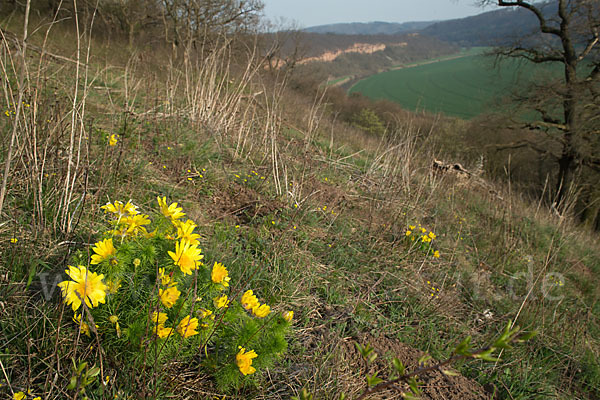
(567, 34)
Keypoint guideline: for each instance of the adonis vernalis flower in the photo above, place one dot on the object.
(243, 360)
(169, 296)
(187, 327)
(170, 211)
(104, 250)
(288, 316)
(249, 300)
(261, 310)
(85, 285)
(135, 224)
(165, 279)
(84, 328)
(185, 230)
(112, 141)
(120, 209)
(220, 274)
(187, 256)
(221, 302)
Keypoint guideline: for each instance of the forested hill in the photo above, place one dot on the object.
(496, 27)
(370, 28)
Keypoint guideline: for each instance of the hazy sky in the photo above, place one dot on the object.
(319, 12)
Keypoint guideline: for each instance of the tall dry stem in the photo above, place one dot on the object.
(19, 107)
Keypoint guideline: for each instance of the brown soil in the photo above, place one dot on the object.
(435, 384)
(244, 204)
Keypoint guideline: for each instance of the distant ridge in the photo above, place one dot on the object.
(497, 27)
(370, 28)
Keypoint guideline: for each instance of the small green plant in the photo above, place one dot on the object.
(151, 299)
(82, 376)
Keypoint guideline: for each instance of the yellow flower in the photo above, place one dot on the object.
(83, 327)
(425, 239)
(243, 360)
(220, 274)
(187, 327)
(19, 396)
(261, 311)
(104, 250)
(432, 235)
(112, 141)
(120, 209)
(165, 279)
(185, 230)
(135, 223)
(436, 254)
(249, 300)
(408, 233)
(187, 256)
(204, 313)
(423, 230)
(113, 286)
(170, 211)
(37, 398)
(221, 302)
(85, 285)
(163, 332)
(115, 320)
(169, 296)
(411, 227)
(288, 316)
(14, 240)
(159, 318)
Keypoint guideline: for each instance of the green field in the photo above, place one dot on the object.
(464, 86)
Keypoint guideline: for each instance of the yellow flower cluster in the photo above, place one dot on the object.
(251, 303)
(421, 235)
(129, 222)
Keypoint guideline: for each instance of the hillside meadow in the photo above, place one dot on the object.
(240, 241)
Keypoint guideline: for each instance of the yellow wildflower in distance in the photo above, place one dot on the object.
(220, 274)
(120, 209)
(170, 211)
(249, 300)
(261, 311)
(169, 296)
(112, 141)
(104, 250)
(408, 233)
(204, 313)
(243, 360)
(185, 230)
(221, 302)
(85, 285)
(288, 316)
(19, 396)
(187, 256)
(432, 235)
(436, 254)
(187, 327)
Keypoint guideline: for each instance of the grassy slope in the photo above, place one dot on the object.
(332, 248)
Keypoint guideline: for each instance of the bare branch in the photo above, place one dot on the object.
(544, 27)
